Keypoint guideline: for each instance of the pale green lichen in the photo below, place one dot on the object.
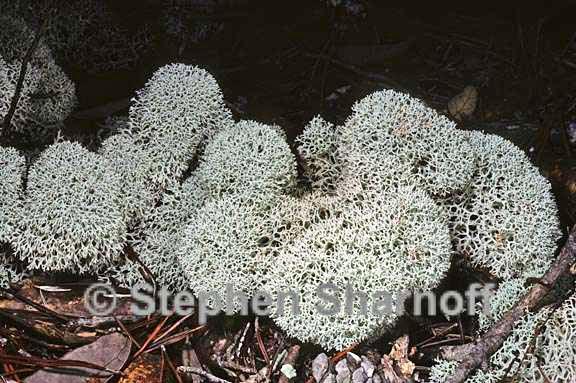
(47, 97)
(71, 218)
(379, 242)
(317, 147)
(424, 147)
(12, 170)
(506, 221)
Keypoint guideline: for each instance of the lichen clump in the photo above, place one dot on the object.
(71, 217)
(362, 243)
(244, 171)
(506, 221)
(392, 143)
(48, 96)
(426, 148)
(178, 109)
(387, 199)
(317, 149)
(12, 170)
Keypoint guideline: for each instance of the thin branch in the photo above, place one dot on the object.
(376, 77)
(198, 371)
(10, 293)
(47, 363)
(473, 355)
(22, 76)
(147, 274)
(171, 366)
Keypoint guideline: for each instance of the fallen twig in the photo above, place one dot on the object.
(44, 329)
(260, 342)
(197, 371)
(171, 366)
(144, 270)
(174, 338)
(12, 294)
(22, 76)
(377, 77)
(342, 354)
(100, 112)
(473, 355)
(190, 359)
(151, 337)
(39, 362)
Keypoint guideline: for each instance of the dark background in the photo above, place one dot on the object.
(283, 62)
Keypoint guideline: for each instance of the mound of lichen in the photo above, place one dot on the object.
(178, 109)
(12, 170)
(47, 96)
(71, 217)
(368, 242)
(383, 204)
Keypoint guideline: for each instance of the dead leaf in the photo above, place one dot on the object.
(387, 371)
(110, 351)
(400, 348)
(143, 370)
(320, 366)
(399, 354)
(463, 104)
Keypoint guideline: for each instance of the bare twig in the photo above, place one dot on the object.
(102, 322)
(100, 112)
(127, 332)
(33, 361)
(172, 328)
(197, 371)
(144, 270)
(151, 337)
(190, 359)
(473, 355)
(12, 294)
(171, 366)
(237, 367)
(175, 338)
(162, 367)
(342, 354)
(438, 335)
(377, 77)
(42, 328)
(22, 75)
(260, 342)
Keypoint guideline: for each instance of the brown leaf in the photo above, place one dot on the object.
(110, 351)
(145, 369)
(400, 348)
(399, 354)
(464, 104)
